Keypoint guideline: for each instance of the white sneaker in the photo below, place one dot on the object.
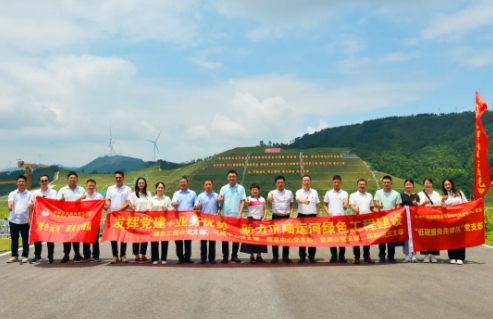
(427, 259)
(25, 260)
(407, 259)
(459, 262)
(12, 260)
(433, 259)
(453, 261)
(414, 259)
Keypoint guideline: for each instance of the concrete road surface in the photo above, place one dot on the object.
(322, 290)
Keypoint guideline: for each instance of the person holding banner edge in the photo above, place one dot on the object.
(335, 204)
(453, 196)
(116, 200)
(46, 192)
(184, 200)
(138, 203)
(159, 202)
(232, 198)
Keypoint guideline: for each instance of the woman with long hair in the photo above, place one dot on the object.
(453, 196)
(159, 202)
(428, 197)
(138, 203)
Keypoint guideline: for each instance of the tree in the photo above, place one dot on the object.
(261, 143)
(270, 143)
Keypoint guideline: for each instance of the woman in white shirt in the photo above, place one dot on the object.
(159, 202)
(453, 196)
(138, 203)
(257, 210)
(428, 197)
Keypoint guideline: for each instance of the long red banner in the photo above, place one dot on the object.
(61, 221)
(369, 229)
(454, 227)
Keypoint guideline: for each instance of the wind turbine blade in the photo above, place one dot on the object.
(158, 135)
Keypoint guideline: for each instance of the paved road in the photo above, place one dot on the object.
(97, 290)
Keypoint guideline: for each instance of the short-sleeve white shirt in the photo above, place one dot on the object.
(118, 196)
(20, 210)
(435, 198)
(335, 199)
(364, 201)
(140, 202)
(49, 193)
(281, 204)
(155, 203)
(93, 196)
(312, 195)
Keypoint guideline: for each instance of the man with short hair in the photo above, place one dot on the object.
(387, 199)
(232, 197)
(361, 202)
(335, 204)
(117, 199)
(308, 206)
(20, 208)
(91, 194)
(71, 193)
(46, 192)
(207, 203)
(282, 207)
(184, 200)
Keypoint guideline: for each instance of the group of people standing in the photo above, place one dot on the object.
(230, 201)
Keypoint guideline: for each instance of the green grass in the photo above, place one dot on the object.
(5, 244)
(489, 238)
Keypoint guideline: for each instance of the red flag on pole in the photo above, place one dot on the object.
(481, 167)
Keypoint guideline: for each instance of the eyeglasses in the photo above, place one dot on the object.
(44, 181)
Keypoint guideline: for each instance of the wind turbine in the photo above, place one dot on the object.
(112, 150)
(155, 146)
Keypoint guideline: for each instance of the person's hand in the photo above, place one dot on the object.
(427, 201)
(175, 204)
(84, 196)
(444, 198)
(270, 199)
(247, 200)
(220, 198)
(307, 201)
(62, 198)
(415, 203)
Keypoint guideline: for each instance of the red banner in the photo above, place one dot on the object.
(458, 226)
(61, 221)
(355, 230)
(272, 150)
(481, 166)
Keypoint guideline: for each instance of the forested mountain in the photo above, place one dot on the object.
(419, 146)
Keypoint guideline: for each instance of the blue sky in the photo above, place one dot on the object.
(219, 74)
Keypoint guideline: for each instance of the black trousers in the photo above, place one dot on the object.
(203, 250)
(67, 246)
(38, 248)
(179, 249)
(225, 249)
(86, 248)
(357, 252)
(342, 252)
(275, 249)
(457, 254)
(114, 249)
(155, 251)
(23, 231)
(381, 251)
(139, 248)
(302, 250)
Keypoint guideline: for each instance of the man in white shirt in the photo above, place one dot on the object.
(71, 193)
(44, 192)
(117, 199)
(387, 199)
(20, 208)
(282, 207)
(308, 206)
(361, 202)
(335, 204)
(91, 194)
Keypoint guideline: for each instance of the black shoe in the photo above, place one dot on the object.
(212, 262)
(287, 260)
(274, 260)
(65, 259)
(392, 261)
(224, 261)
(77, 258)
(202, 262)
(312, 260)
(236, 260)
(381, 260)
(343, 261)
(301, 260)
(188, 261)
(333, 260)
(50, 260)
(35, 260)
(369, 260)
(260, 260)
(180, 261)
(356, 261)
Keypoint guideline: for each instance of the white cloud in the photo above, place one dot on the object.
(321, 125)
(263, 33)
(198, 132)
(355, 65)
(454, 26)
(354, 45)
(472, 58)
